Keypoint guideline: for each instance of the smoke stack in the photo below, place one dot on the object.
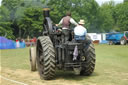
(46, 12)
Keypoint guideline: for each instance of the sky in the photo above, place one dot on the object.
(0, 2)
(99, 1)
(102, 1)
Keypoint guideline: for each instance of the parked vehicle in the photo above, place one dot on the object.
(118, 37)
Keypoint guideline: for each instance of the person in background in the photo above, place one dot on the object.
(34, 40)
(17, 43)
(65, 22)
(80, 31)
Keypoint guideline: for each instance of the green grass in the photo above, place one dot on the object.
(111, 65)
(15, 58)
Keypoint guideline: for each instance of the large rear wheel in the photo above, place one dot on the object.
(90, 58)
(45, 58)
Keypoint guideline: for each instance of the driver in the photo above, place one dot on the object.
(65, 22)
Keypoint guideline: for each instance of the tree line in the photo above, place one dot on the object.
(22, 18)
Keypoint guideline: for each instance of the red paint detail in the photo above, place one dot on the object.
(125, 37)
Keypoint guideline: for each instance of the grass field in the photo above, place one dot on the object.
(111, 68)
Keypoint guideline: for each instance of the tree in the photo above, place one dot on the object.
(122, 16)
(125, 0)
(21, 18)
(105, 17)
(89, 12)
(12, 6)
(32, 22)
(20, 11)
(80, 9)
(5, 24)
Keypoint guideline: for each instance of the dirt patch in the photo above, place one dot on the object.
(31, 78)
(6, 82)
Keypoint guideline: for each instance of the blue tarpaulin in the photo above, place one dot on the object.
(22, 45)
(6, 43)
(9, 44)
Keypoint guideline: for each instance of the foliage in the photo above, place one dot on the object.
(22, 18)
(6, 30)
(5, 24)
(31, 23)
(125, 0)
(80, 9)
(105, 17)
(122, 16)
(25, 16)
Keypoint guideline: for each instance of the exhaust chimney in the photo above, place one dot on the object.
(46, 12)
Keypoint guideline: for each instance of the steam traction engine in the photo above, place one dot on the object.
(52, 52)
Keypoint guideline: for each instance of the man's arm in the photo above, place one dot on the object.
(73, 21)
(61, 21)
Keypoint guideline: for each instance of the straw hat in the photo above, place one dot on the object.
(81, 21)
